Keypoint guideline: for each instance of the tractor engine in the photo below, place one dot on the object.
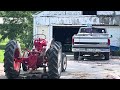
(40, 44)
(37, 55)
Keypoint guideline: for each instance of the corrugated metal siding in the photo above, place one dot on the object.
(52, 18)
(67, 20)
(73, 12)
(108, 12)
(105, 12)
(117, 12)
(77, 20)
(76, 17)
(115, 31)
(43, 30)
(53, 13)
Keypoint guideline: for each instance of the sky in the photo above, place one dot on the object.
(1, 20)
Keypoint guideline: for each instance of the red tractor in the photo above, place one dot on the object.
(52, 60)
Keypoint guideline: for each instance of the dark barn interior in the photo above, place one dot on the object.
(64, 35)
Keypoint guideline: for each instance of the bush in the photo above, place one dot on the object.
(2, 47)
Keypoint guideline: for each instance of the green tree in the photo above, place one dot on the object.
(17, 25)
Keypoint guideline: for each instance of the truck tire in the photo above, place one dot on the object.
(11, 68)
(106, 56)
(64, 62)
(54, 56)
(76, 55)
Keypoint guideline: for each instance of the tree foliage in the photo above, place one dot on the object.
(17, 25)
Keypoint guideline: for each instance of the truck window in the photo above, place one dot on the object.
(92, 30)
(86, 30)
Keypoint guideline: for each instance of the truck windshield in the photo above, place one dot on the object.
(92, 30)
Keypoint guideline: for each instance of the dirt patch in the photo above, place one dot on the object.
(95, 69)
(108, 69)
(80, 75)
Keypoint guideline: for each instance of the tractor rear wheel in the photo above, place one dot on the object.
(54, 55)
(12, 53)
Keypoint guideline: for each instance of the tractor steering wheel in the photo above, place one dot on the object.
(39, 36)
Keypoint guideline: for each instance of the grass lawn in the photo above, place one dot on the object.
(1, 55)
(2, 47)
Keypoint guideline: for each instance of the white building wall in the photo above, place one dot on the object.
(108, 12)
(61, 20)
(105, 12)
(115, 32)
(56, 13)
(50, 18)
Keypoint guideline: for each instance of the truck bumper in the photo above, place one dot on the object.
(93, 50)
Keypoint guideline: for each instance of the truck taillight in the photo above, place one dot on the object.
(72, 40)
(108, 41)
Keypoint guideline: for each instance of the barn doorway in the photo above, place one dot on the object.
(64, 35)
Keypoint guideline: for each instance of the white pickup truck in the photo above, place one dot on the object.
(91, 41)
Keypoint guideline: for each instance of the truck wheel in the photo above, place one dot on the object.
(54, 56)
(76, 55)
(106, 56)
(64, 62)
(11, 67)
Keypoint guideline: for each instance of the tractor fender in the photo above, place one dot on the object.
(49, 44)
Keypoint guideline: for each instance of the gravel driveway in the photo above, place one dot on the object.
(95, 69)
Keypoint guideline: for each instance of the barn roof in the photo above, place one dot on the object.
(53, 13)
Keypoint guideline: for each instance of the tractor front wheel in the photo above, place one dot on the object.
(64, 62)
(11, 66)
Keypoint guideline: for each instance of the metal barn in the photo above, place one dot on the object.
(61, 25)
